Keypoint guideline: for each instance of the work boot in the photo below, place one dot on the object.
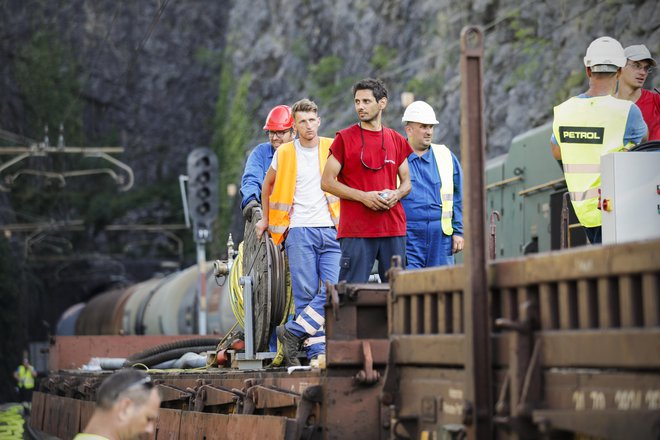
(290, 345)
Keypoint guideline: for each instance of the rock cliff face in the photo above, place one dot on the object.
(149, 71)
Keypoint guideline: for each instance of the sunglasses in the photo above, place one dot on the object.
(145, 382)
(382, 146)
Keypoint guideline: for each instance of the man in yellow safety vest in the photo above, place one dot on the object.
(434, 207)
(592, 124)
(25, 375)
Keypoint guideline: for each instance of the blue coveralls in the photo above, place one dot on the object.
(426, 244)
(255, 170)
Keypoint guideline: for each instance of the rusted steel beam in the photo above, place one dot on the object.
(439, 279)
(271, 398)
(478, 389)
(610, 424)
(579, 263)
(349, 353)
(629, 348)
(350, 410)
(168, 424)
(196, 425)
(357, 312)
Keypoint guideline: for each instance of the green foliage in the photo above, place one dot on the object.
(299, 48)
(325, 78)
(426, 85)
(207, 57)
(383, 57)
(576, 78)
(46, 73)
(526, 51)
(230, 137)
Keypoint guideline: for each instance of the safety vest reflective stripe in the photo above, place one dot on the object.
(277, 229)
(281, 200)
(279, 206)
(445, 164)
(581, 168)
(584, 195)
(586, 129)
(314, 340)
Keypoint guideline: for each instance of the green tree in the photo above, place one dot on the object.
(230, 137)
(47, 76)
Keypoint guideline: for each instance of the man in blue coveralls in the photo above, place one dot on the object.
(279, 126)
(434, 207)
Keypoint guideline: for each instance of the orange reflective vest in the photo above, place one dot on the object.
(281, 200)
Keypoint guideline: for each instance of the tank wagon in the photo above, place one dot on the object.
(159, 306)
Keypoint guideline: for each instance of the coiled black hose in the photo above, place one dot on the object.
(157, 358)
(174, 345)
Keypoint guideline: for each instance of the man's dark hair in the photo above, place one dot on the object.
(131, 383)
(376, 86)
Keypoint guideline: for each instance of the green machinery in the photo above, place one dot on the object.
(526, 186)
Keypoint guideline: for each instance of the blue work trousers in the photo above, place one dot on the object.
(427, 245)
(359, 254)
(313, 259)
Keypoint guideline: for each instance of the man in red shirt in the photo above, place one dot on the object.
(637, 69)
(362, 169)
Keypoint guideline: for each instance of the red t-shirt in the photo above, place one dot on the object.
(649, 104)
(355, 219)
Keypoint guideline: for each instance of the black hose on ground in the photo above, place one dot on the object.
(173, 345)
(155, 359)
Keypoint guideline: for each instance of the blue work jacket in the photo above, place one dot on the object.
(423, 204)
(255, 170)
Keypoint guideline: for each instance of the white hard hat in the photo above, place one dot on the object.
(421, 112)
(606, 53)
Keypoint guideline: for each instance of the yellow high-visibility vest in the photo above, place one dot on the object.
(25, 378)
(585, 129)
(281, 200)
(445, 164)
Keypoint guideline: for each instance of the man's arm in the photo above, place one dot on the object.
(267, 189)
(556, 151)
(636, 130)
(457, 241)
(405, 186)
(329, 183)
(252, 178)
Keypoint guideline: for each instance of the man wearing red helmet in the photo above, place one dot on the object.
(279, 127)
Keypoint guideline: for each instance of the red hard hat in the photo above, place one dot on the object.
(279, 118)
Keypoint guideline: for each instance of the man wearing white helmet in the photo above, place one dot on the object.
(639, 66)
(434, 207)
(592, 124)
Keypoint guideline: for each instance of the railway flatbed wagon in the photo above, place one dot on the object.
(574, 344)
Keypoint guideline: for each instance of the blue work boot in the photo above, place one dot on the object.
(290, 345)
